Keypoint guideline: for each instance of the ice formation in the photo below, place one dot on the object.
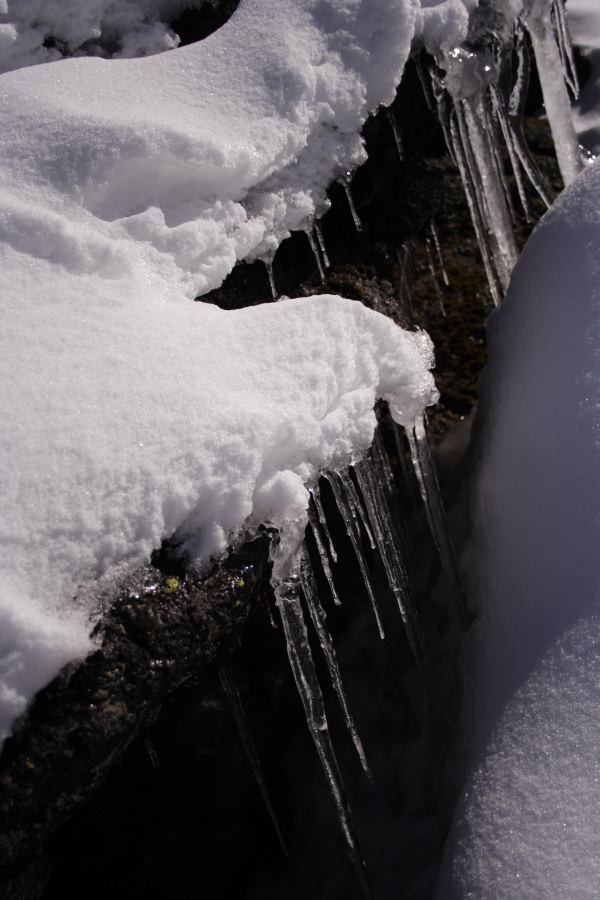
(529, 821)
(584, 25)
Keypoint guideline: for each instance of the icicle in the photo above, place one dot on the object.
(424, 82)
(315, 250)
(565, 47)
(271, 276)
(237, 710)
(556, 98)
(438, 250)
(470, 189)
(444, 117)
(316, 499)
(345, 182)
(389, 548)
(152, 754)
(397, 138)
(314, 527)
(507, 133)
(321, 243)
(493, 202)
(434, 509)
(433, 273)
(356, 508)
(319, 618)
(345, 513)
(305, 676)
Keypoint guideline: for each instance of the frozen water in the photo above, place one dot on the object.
(584, 24)
(528, 825)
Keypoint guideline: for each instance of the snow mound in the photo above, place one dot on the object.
(127, 187)
(528, 825)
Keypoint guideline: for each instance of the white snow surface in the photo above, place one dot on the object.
(584, 24)
(528, 824)
(40, 31)
(129, 412)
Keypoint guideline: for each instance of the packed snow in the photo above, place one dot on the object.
(128, 186)
(528, 824)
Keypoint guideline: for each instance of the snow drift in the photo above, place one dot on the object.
(528, 824)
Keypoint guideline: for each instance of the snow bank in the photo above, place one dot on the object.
(39, 31)
(127, 187)
(584, 24)
(528, 825)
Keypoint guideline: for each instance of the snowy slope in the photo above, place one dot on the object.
(126, 187)
(528, 825)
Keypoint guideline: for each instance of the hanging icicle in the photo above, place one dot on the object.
(319, 619)
(239, 716)
(350, 524)
(388, 546)
(323, 556)
(316, 254)
(552, 79)
(565, 47)
(305, 676)
(269, 267)
(434, 277)
(345, 181)
(438, 250)
(315, 496)
(321, 243)
(424, 469)
(391, 117)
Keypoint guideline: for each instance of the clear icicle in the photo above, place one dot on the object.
(151, 751)
(438, 250)
(470, 189)
(321, 243)
(496, 214)
(348, 519)
(356, 508)
(405, 260)
(316, 499)
(554, 90)
(500, 113)
(388, 546)
(345, 182)
(316, 254)
(236, 706)
(565, 47)
(305, 676)
(314, 527)
(434, 509)
(319, 619)
(397, 136)
(271, 277)
(425, 86)
(433, 273)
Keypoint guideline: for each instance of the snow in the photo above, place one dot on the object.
(39, 31)
(584, 24)
(528, 824)
(127, 187)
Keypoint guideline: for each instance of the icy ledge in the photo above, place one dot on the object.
(528, 825)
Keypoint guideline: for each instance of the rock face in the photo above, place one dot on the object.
(162, 633)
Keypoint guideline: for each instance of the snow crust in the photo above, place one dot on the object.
(584, 24)
(127, 187)
(528, 825)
